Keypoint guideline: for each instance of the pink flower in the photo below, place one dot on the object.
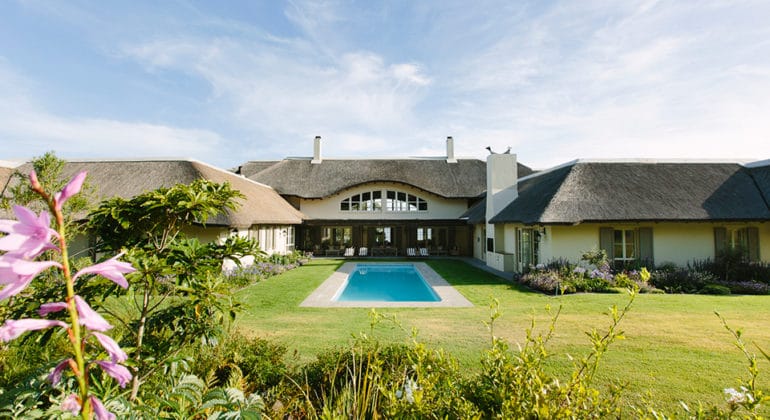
(119, 372)
(100, 413)
(90, 318)
(47, 308)
(111, 269)
(55, 376)
(72, 188)
(71, 404)
(29, 236)
(17, 273)
(117, 354)
(16, 327)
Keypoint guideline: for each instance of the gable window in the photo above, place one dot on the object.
(367, 201)
(398, 201)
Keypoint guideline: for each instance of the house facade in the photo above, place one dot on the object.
(262, 213)
(638, 212)
(383, 205)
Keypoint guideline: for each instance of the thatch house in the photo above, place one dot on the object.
(383, 205)
(637, 211)
(262, 214)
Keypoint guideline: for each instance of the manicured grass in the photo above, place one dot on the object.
(675, 348)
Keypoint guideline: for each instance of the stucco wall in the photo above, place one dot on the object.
(329, 208)
(678, 243)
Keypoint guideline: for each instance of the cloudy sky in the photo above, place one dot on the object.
(225, 82)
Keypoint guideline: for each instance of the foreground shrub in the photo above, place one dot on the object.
(257, 362)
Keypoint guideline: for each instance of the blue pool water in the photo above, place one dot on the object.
(387, 283)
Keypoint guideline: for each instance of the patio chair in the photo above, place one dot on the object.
(350, 252)
(410, 252)
(424, 252)
(363, 251)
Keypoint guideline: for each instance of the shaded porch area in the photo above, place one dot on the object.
(386, 238)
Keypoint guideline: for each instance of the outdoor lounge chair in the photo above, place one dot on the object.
(350, 252)
(424, 252)
(410, 252)
(363, 251)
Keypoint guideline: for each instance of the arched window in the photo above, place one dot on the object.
(395, 201)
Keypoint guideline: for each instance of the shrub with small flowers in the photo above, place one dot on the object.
(27, 239)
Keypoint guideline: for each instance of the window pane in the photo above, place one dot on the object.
(345, 205)
(376, 194)
(366, 196)
(401, 196)
(392, 194)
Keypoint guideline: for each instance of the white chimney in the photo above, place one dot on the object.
(502, 189)
(316, 150)
(450, 150)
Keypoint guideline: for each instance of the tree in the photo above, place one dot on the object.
(177, 294)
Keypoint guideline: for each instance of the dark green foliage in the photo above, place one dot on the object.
(682, 280)
(714, 289)
(260, 362)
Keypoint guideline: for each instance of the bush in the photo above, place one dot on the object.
(682, 280)
(714, 289)
(259, 361)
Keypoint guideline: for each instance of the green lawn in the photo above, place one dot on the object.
(675, 347)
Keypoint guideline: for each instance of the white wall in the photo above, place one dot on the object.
(329, 208)
(678, 243)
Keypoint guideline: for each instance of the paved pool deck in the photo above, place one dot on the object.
(323, 296)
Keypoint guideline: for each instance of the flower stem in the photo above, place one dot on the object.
(75, 335)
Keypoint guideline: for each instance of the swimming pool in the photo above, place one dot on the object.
(386, 283)
(326, 294)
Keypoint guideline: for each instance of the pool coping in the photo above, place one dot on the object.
(322, 296)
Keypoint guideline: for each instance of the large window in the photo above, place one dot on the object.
(337, 237)
(395, 201)
(741, 240)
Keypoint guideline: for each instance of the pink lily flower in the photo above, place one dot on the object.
(13, 328)
(90, 318)
(71, 404)
(29, 236)
(55, 376)
(47, 308)
(72, 188)
(100, 413)
(117, 354)
(119, 372)
(112, 269)
(18, 273)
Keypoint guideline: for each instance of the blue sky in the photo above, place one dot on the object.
(225, 82)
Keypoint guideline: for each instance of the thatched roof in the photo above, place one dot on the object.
(128, 178)
(760, 171)
(585, 191)
(298, 177)
(477, 213)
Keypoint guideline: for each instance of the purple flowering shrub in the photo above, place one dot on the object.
(561, 276)
(265, 267)
(28, 238)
